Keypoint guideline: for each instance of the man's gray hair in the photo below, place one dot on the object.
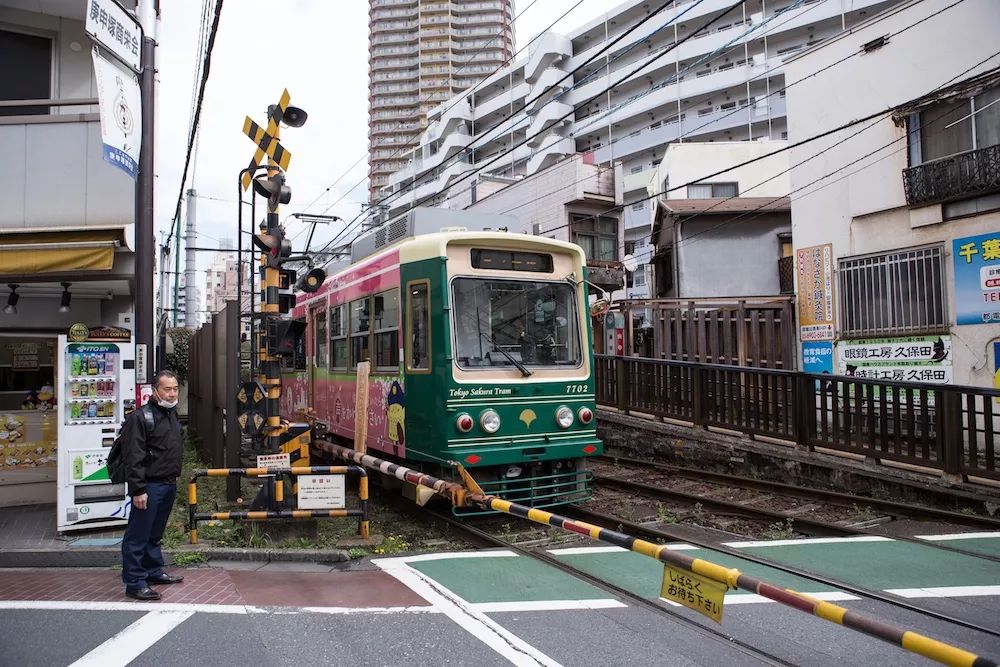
(163, 374)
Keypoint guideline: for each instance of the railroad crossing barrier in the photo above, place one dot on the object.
(471, 494)
(278, 496)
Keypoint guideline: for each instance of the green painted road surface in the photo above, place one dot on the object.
(981, 543)
(878, 563)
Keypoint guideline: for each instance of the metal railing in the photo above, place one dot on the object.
(971, 173)
(951, 428)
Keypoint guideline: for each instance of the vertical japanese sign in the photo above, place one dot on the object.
(977, 279)
(814, 266)
(996, 370)
(121, 114)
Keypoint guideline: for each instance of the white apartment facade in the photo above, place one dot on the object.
(422, 52)
(906, 205)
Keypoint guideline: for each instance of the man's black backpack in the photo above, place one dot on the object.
(116, 457)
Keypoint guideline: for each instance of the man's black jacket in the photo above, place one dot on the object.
(152, 456)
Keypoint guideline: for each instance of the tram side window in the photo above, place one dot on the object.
(320, 341)
(338, 336)
(387, 329)
(418, 326)
(360, 327)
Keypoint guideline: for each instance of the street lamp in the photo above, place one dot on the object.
(11, 307)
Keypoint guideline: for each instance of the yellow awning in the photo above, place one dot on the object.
(57, 252)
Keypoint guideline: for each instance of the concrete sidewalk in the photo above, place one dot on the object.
(28, 538)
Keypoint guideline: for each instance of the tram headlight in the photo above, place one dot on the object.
(490, 421)
(586, 415)
(564, 417)
(464, 423)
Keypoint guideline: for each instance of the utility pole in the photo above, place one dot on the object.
(144, 235)
(190, 305)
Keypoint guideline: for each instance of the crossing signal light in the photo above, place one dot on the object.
(311, 281)
(273, 188)
(286, 293)
(284, 335)
(275, 246)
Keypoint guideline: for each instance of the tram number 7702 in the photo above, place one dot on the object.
(576, 389)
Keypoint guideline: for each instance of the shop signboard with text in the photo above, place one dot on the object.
(814, 269)
(977, 279)
(911, 359)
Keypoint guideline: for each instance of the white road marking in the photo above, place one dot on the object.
(83, 605)
(128, 644)
(957, 536)
(811, 540)
(446, 555)
(945, 591)
(473, 621)
(547, 605)
(753, 598)
(573, 551)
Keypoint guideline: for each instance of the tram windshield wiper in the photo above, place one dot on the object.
(496, 348)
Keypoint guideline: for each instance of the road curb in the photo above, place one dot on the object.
(107, 557)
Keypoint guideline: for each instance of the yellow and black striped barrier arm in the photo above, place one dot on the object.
(279, 490)
(730, 577)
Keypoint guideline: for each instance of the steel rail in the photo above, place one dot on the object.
(657, 534)
(813, 527)
(469, 493)
(887, 506)
(485, 537)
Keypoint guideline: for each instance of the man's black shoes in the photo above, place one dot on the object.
(165, 579)
(146, 594)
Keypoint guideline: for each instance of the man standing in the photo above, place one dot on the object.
(153, 452)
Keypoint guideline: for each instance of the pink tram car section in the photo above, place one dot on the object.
(333, 397)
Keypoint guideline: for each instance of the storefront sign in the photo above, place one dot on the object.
(996, 370)
(116, 30)
(912, 359)
(817, 357)
(693, 591)
(977, 279)
(24, 356)
(814, 266)
(321, 492)
(79, 332)
(121, 114)
(110, 333)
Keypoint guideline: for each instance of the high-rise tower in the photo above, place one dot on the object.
(420, 54)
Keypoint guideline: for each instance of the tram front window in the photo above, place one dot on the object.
(515, 322)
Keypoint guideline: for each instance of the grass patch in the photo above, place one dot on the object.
(780, 530)
(356, 553)
(393, 544)
(186, 558)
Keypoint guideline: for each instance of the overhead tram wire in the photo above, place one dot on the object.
(761, 210)
(789, 147)
(207, 60)
(502, 154)
(465, 64)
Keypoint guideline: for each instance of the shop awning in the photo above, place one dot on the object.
(59, 251)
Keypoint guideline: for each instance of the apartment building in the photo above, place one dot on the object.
(221, 281)
(423, 52)
(897, 226)
(668, 81)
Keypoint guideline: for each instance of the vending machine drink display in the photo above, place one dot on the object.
(97, 382)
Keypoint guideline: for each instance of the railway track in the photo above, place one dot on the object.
(800, 523)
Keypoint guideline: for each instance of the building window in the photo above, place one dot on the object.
(639, 277)
(893, 294)
(360, 326)
(31, 78)
(319, 341)
(387, 329)
(418, 326)
(598, 236)
(638, 206)
(713, 190)
(338, 336)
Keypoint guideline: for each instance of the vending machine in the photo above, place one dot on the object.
(96, 388)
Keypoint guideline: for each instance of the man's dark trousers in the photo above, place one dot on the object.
(141, 554)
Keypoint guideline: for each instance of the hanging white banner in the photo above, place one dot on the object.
(114, 28)
(121, 114)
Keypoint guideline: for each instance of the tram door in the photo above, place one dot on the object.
(320, 357)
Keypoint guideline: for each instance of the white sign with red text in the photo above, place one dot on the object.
(321, 492)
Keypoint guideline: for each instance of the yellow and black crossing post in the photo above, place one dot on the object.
(278, 333)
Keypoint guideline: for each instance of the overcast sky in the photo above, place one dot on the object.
(318, 49)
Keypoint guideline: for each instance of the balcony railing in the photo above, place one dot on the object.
(963, 175)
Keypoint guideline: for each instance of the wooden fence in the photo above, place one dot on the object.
(946, 427)
(213, 380)
(756, 332)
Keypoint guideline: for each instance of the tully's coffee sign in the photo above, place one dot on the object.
(80, 332)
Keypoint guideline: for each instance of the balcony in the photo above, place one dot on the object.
(964, 175)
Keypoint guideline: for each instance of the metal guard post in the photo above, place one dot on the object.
(732, 578)
(361, 512)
